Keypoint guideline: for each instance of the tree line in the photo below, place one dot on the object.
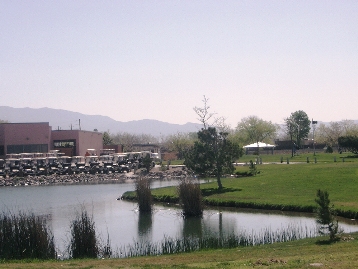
(296, 128)
(212, 150)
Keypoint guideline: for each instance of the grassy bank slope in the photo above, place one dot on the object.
(283, 187)
(305, 253)
(302, 157)
(267, 157)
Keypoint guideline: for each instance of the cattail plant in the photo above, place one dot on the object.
(190, 197)
(144, 195)
(214, 241)
(25, 236)
(84, 242)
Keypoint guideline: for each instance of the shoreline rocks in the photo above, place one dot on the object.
(90, 179)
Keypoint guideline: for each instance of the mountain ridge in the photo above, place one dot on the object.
(66, 120)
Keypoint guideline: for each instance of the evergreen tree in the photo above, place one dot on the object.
(326, 217)
(107, 140)
(212, 154)
(349, 143)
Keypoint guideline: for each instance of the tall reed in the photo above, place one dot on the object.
(25, 236)
(190, 197)
(144, 195)
(84, 242)
(189, 244)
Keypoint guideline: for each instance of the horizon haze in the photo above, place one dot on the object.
(132, 60)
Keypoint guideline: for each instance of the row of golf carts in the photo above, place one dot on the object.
(35, 164)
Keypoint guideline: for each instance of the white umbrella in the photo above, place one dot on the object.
(259, 145)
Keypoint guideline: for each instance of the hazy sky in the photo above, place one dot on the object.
(133, 60)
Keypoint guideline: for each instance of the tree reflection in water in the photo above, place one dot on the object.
(192, 227)
(145, 226)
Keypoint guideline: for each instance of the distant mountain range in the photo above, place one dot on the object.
(65, 120)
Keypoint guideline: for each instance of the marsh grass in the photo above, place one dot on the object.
(190, 244)
(190, 197)
(144, 195)
(84, 242)
(25, 236)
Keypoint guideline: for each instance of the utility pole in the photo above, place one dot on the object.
(314, 128)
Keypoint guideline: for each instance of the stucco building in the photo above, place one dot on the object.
(39, 137)
(24, 137)
(76, 142)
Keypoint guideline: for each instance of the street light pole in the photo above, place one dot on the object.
(314, 128)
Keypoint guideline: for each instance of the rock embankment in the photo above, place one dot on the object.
(172, 173)
(91, 179)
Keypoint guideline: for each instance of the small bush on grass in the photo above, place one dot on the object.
(144, 195)
(84, 243)
(242, 174)
(190, 197)
(326, 216)
(252, 168)
(25, 236)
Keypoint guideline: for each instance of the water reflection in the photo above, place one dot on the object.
(125, 225)
(192, 227)
(145, 220)
(220, 223)
(212, 223)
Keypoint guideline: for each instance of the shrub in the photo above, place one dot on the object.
(252, 168)
(329, 149)
(147, 163)
(242, 174)
(25, 236)
(144, 194)
(326, 215)
(84, 243)
(190, 197)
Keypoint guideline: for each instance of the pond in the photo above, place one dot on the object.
(123, 224)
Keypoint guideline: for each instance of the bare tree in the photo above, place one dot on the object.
(128, 140)
(204, 114)
(221, 125)
(208, 118)
(180, 142)
(329, 133)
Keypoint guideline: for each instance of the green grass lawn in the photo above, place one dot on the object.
(285, 186)
(302, 157)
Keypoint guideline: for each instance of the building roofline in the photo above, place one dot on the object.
(42, 122)
(76, 130)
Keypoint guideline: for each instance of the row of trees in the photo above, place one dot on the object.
(213, 149)
(250, 129)
(329, 133)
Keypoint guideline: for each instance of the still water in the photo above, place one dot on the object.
(121, 221)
